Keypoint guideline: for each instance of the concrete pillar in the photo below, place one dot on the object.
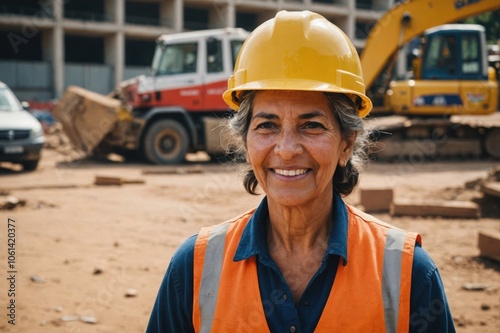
(171, 11)
(222, 15)
(58, 48)
(350, 28)
(231, 14)
(119, 43)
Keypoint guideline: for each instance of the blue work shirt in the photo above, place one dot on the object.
(173, 309)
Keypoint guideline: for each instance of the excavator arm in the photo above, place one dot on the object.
(408, 20)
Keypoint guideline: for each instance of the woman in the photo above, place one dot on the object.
(303, 260)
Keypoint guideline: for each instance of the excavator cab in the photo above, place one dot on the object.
(455, 52)
(451, 77)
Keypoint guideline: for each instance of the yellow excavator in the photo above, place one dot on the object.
(446, 105)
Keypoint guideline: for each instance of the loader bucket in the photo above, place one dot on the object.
(86, 117)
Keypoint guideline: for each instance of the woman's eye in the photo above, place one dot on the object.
(266, 125)
(313, 125)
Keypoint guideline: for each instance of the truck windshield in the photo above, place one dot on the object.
(9, 102)
(235, 49)
(175, 59)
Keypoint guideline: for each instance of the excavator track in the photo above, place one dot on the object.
(397, 138)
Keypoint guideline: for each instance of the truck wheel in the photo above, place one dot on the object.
(166, 142)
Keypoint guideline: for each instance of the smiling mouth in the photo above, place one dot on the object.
(290, 173)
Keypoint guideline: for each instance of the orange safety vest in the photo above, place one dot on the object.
(370, 294)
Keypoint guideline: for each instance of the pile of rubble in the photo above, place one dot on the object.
(486, 201)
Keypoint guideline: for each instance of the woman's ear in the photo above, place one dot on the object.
(348, 147)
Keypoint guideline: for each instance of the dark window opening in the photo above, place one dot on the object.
(139, 52)
(364, 4)
(247, 21)
(142, 13)
(363, 29)
(84, 49)
(195, 18)
(17, 45)
(91, 10)
(25, 7)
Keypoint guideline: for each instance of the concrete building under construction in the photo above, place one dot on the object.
(46, 45)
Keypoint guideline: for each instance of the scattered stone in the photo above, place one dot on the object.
(98, 271)
(42, 204)
(37, 279)
(376, 199)
(483, 323)
(10, 202)
(116, 244)
(491, 189)
(109, 180)
(458, 260)
(460, 321)
(69, 318)
(173, 170)
(104, 180)
(474, 184)
(43, 323)
(461, 209)
(475, 286)
(131, 293)
(489, 244)
(89, 319)
(58, 308)
(485, 307)
(56, 322)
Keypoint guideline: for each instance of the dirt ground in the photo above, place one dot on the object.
(81, 247)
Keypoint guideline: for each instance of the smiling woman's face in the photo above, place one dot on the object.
(294, 145)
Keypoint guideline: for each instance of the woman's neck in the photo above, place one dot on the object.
(300, 229)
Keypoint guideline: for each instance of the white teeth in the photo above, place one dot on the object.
(290, 173)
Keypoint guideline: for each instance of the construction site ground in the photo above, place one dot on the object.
(90, 258)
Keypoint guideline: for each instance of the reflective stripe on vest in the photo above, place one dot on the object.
(212, 267)
(391, 277)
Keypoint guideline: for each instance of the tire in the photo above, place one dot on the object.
(166, 142)
(30, 165)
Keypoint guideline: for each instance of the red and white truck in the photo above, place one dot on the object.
(174, 110)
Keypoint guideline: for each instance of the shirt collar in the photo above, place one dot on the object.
(253, 240)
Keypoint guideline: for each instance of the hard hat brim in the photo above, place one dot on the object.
(295, 84)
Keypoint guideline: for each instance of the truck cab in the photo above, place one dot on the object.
(178, 108)
(190, 70)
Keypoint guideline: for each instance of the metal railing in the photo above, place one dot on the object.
(23, 11)
(151, 21)
(88, 16)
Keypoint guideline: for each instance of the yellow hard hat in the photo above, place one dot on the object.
(298, 51)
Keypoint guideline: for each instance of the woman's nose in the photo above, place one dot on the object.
(288, 144)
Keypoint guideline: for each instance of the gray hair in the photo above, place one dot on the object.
(345, 112)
